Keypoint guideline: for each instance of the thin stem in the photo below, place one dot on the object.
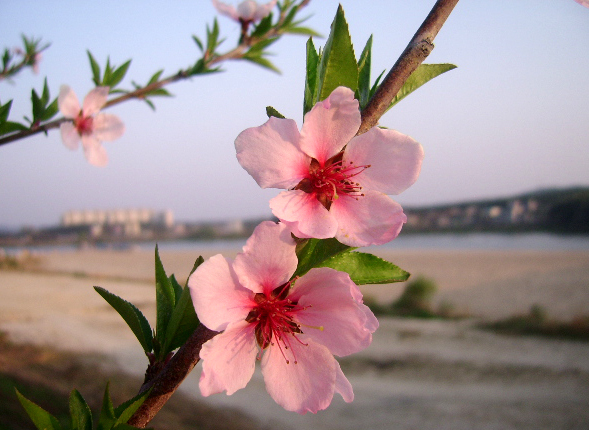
(170, 378)
(414, 54)
(235, 54)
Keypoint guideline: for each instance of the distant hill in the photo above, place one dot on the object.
(563, 211)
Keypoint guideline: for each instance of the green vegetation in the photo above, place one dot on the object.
(537, 323)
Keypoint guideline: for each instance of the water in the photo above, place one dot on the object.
(448, 241)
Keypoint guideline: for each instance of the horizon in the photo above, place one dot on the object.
(509, 119)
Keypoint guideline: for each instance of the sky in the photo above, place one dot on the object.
(511, 118)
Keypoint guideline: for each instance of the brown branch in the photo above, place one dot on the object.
(170, 378)
(414, 54)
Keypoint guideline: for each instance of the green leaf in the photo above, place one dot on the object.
(310, 77)
(50, 111)
(9, 127)
(270, 111)
(338, 65)
(126, 410)
(198, 43)
(107, 412)
(45, 94)
(263, 27)
(132, 316)
(301, 30)
(313, 252)
(366, 268)
(364, 74)
(165, 300)
(95, 69)
(42, 419)
(421, 75)
(37, 105)
(80, 412)
(155, 77)
(182, 323)
(5, 110)
(118, 75)
(264, 62)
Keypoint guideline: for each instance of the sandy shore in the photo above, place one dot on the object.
(416, 374)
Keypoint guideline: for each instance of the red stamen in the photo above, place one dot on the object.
(83, 124)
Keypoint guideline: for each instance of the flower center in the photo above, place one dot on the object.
(333, 179)
(273, 317)
(83, 124)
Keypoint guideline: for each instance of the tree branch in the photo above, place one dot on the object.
(414, 54)
(170, 378)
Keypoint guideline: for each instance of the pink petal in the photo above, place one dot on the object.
(68, 103)
(394, 159)
(69, 135)
(583, 2)
(306, 385)
(268, 259)
(371, 220)
(304, 213)
(330, 125)
(94, 151)
(107, 127)
(94, 101)
(217, 296)
(225, 9)
(228, 359)
(271, 154)
(325, 294)
(343, 386)
(263, 10)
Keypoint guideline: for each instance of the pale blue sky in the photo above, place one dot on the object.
(511, 118)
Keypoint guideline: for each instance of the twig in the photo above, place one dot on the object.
(168, 381)
(420, 46)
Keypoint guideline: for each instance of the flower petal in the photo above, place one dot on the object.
(373, 219)
(271, 154)
(326, 298)
(343, 386)
(229, 359)
(304, 214)
(330, 125)
(263, 10)
(394, 159)
(306, 385)
(217, 296)
(68, 103)
(69, 135)
(94, 151)
(268, 259)
(94, 100)
(225, 9)
(107, 127)
(246, 10)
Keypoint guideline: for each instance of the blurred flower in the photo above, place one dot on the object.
(87, 124)
(35, 62)
(247, 11)
(583, 2)
(336, 181)
(293, 326)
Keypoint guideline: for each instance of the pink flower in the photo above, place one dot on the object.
(247, 11)
(293, 326)
(336, 181)
(88, 125)
(583, 2)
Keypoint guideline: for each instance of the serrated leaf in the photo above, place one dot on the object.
(366, 268)
(338, 65)
(260, 61)
(95, 69)
(10, 127)
(313, 252)
(107, 413)
(126, 410)
(364, 74)
(376, 84)
(310, 77)
(421, 75)
(132, 316)
(165, 301)
(42, 419)
(271, 112)
(182, 323)
(118, 75)
(81, 416)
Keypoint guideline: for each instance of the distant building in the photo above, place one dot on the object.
(121, 222)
